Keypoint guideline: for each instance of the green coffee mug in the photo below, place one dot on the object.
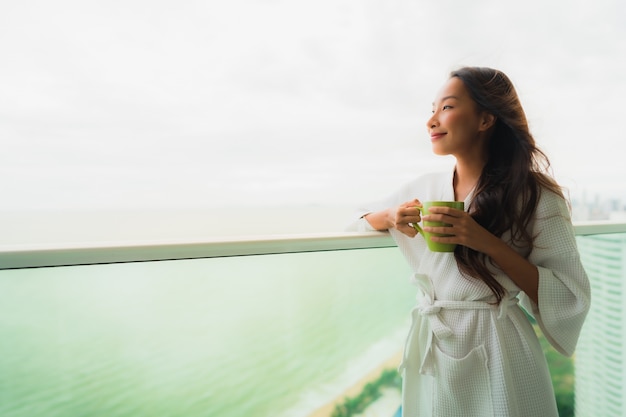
(436, 246)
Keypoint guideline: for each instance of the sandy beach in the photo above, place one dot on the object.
(383, 407)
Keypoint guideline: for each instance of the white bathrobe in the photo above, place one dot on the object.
(466, 357)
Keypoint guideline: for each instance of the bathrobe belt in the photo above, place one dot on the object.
(425, 320)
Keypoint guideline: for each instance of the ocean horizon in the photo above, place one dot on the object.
(80, 226)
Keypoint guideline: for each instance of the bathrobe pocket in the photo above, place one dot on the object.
(462, 386)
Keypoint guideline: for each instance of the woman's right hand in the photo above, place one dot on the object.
(400, 218)
(405, 215)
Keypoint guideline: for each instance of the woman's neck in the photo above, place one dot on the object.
(465, 179)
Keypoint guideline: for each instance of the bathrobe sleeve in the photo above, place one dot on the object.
(564, 291)
(360, 224)
(432, 186)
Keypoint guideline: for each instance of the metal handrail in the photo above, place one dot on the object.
(24, 256)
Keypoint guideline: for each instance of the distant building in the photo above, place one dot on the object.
(600, 386)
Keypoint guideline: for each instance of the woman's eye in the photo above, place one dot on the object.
(446, 107)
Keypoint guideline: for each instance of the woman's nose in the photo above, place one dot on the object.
(432, 122)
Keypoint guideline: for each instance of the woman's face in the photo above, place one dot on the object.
(456, 126)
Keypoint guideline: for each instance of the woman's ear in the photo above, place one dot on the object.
(487, 121)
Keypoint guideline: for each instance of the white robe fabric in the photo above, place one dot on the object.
(466, 357)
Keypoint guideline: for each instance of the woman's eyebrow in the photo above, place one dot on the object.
(446, 98)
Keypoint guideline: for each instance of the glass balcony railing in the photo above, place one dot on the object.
(289, 326)
(601, 354)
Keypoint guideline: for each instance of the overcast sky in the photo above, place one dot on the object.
(136, 103)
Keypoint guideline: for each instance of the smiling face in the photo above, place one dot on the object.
(457, 127)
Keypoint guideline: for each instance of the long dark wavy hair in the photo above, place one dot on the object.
(516, 171)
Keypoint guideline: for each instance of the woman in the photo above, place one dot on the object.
(471, 350)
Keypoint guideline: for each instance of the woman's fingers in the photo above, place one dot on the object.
(408, 214)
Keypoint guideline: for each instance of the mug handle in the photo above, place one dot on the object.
(417, 226)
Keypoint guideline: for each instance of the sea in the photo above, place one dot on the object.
(268, 335)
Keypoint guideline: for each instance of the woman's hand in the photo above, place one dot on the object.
(463, 229)
(400, 218)
(404, 216)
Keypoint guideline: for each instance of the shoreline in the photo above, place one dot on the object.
(354, 390)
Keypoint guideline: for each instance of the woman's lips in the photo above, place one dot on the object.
(436, 136)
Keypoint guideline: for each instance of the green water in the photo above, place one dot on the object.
(275, 335)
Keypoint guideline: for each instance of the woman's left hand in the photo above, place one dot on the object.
(463, 229)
